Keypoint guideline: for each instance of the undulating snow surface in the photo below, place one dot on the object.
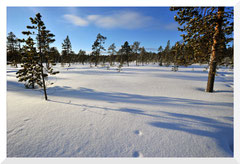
(142, 111)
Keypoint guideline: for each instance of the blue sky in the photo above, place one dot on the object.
(152, 26)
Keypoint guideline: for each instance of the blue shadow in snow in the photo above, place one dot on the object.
(203, 77)
(183, 120)
(222, 133)
(118, 97)
(216, 91)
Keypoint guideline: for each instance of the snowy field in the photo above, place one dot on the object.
(145, 111)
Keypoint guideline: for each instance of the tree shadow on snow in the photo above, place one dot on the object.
(118, 97)
(185, 77)
(221, 132)
(215, 91)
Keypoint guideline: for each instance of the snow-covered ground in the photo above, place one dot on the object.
(142, 111)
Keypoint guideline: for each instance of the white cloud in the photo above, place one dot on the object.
(76, 20)
(126, 20)
(171, 26)
(92, 17)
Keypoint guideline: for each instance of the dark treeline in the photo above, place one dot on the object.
(180, 54)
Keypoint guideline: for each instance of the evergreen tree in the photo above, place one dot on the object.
(38, 28)
(82, 56)
(112, 51)
(54, 55)
(13, 49)
(119, 57)
(135, 49)
(98, 46)
(126, 50)
(166, 54)
(160, 50)
(142, 54)
(66, 52)
(31, 70)
(206, 27)
(47, 39)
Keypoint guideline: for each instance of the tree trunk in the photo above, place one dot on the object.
(44, 86)
(41, 64)
(96, 60)
(215, 50)
(32, 83)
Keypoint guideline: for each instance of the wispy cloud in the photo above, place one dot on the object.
(171, 26)
(78, 21)
(126, 20)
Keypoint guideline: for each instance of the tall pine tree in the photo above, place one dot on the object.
(126, 50)
(112, 51)
(98, 46)
(206, 27)
(135, 49)
(160, 50)
(38, 29)
(143, 53)
(66, 52)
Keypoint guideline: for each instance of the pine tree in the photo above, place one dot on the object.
(47, 39)
(142, 54)
(39, 29)
(112, 51)
(82, 56)
(166, 54)
(206, 27)
(126, 50)
(98, 46)
(135, 49)
(66, 52)
(160, 50)
(13, 49)
(31, 70)
(53, 55)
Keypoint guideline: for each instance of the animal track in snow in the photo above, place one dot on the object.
(138, 132)
(18, 128)
(27, 119)
(15, 130)
(137, 154)
(10, 131)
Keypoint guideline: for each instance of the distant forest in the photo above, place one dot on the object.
(180, 54)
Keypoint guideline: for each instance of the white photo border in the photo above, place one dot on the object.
(121, 3)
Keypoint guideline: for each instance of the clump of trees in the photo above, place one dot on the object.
(13, 49)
